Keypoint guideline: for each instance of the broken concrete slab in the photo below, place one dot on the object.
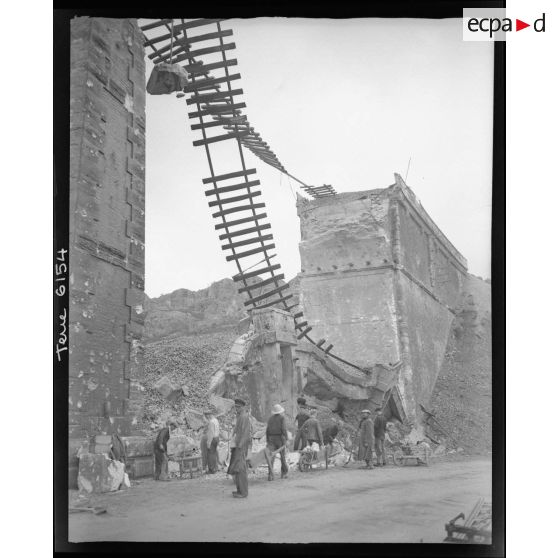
(175, 395)
(164, 386)
(221, 404)
(194, 419)
(98, 473)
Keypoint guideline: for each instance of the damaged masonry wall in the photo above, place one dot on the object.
(107, 186)
(380, 281)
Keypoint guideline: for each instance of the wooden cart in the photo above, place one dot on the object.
(412, 455)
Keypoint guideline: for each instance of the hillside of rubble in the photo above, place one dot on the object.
(462, 397)
(217, 307)
(187, 361)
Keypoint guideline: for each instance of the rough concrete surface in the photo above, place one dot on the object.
(391, 504)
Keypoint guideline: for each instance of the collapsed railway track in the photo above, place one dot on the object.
(240, 213)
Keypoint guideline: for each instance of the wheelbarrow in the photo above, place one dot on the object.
(309, 457)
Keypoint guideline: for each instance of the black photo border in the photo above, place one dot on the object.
(250, 9)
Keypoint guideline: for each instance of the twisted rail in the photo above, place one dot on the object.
(240, 218)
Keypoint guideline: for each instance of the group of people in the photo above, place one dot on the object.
(309, 431)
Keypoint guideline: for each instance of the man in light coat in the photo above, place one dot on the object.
(210, 441)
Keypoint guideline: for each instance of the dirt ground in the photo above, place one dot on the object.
(389, 504)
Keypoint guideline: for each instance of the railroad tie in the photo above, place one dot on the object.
(272, 279)
(256, 273)
(247, 242)
(305, 332)
(241, 255)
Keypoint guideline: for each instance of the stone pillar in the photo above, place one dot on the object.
(107, 203)
(275, 380)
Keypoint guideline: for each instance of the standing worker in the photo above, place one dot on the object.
(380, 423)
(366, 439)
(300, 419)
(241, 440)
(312, 431)
(210, 441)
(118, 449)
(276, 435)
(160, 451)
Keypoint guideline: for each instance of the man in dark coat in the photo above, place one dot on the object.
(117, 449)
(330, 433)
(312, 431)
(300, 419)
(241, 440)
(380, 423)
(276, 435)
(366, 440)
(160, 451)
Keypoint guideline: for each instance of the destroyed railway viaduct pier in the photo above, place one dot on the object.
(378, 280)
(382, 281)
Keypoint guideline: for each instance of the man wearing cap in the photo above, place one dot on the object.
(300, 419)
(276, 435)
(241, 440)
(160, 451)
(366, 439)
(380, 423)
(312, 431)
(210, 441)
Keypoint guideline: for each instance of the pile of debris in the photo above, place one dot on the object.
(177, 373)
(462, 397)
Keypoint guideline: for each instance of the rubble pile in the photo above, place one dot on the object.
(462, 396)
(177, 373)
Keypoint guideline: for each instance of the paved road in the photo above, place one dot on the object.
(391, 504)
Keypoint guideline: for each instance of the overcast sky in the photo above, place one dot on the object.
(341, 102)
